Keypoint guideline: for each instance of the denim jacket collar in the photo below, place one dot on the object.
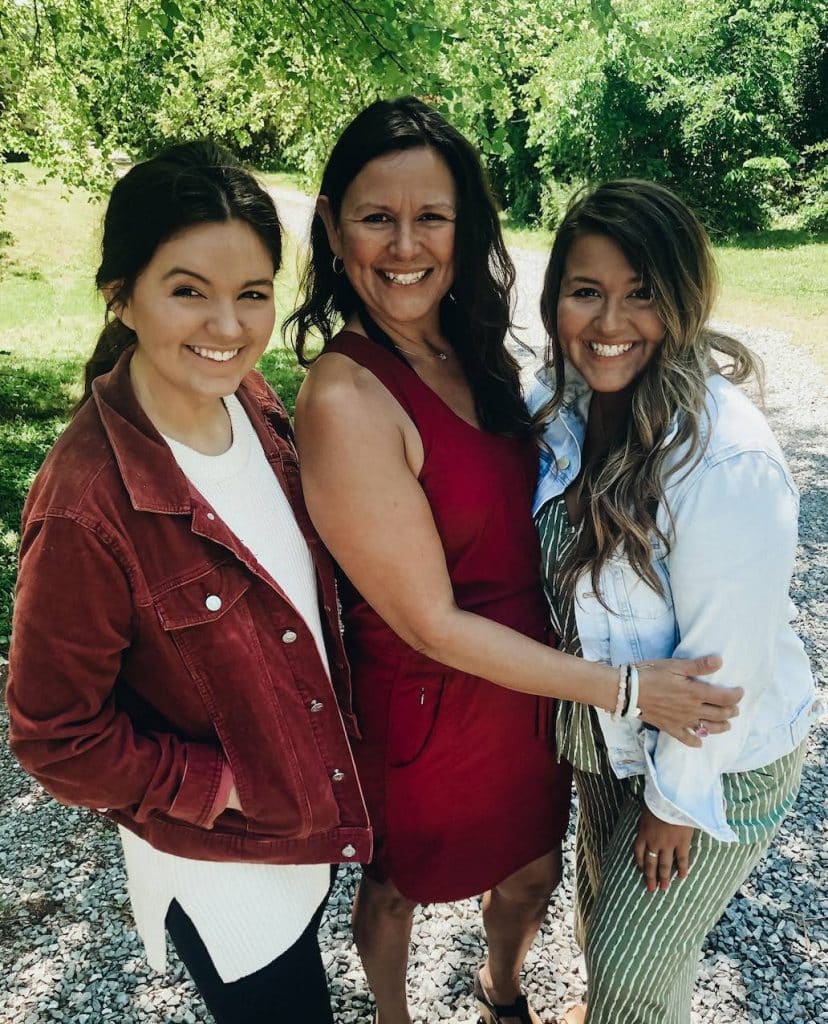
(563, 434)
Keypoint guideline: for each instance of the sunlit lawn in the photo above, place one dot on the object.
(50, 316)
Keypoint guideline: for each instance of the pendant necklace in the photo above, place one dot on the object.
(435, 353)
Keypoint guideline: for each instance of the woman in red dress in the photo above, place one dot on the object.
(419, 465)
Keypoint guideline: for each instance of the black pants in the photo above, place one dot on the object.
(291, 988)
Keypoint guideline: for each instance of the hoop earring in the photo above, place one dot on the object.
(450, 296)
(341, 270)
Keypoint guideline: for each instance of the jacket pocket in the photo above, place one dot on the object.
(250, 706)
(204, 599)
(412, 716)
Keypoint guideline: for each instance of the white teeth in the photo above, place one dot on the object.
(217, 355)
(404, 278)
(609, 350)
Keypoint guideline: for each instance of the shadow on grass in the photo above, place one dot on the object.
(282, 373)
(36, 397)
(774, 238)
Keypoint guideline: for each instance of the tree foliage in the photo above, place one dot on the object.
(723, 99)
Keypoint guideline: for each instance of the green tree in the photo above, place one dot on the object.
(725, 100)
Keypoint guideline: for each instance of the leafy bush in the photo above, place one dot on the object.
(813, 214)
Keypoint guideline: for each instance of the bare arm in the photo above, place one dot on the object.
(360, 457)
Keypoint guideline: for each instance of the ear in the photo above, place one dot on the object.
(117, 304)
(323, 209)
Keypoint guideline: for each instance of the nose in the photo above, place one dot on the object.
(225, 323)
(404, 243)
(609, 318)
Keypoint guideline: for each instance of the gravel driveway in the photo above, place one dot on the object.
(69, 952)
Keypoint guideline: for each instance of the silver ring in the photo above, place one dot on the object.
(651, 853)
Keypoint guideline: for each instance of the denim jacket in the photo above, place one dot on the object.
(725, 579)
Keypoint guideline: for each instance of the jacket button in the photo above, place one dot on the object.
(348, 851)
(211, 516)
(338, 775)
(316, 705)
(289, 636)
(212, 603)
(562, 462)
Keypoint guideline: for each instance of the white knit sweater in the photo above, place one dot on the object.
(246, 914)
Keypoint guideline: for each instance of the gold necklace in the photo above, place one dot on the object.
(435, 353)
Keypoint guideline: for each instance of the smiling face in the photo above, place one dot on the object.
(203, 313)
(607, 322)
(395, 236)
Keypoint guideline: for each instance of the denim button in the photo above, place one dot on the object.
(289, 636)
(562, 462)
(348, 851)
(213, 603)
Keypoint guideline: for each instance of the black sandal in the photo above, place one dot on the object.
(493, 1013)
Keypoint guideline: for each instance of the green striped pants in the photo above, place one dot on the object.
(642, 950)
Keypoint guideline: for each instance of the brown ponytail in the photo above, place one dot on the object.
(114, 340)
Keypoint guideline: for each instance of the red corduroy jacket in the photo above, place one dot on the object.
(151, 652)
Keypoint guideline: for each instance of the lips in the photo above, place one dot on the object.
(217, 355)
(609, 351)
(414, 277)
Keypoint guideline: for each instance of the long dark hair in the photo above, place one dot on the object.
(476, 318)
(666, 245)
(182, 186)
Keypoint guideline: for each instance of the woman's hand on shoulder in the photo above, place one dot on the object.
(662, 850)
(673, 699)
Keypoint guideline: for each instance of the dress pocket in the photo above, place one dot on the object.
(412, 716)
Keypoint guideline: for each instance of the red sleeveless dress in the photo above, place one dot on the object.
(461, 781)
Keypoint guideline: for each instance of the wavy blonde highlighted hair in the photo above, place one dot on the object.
(664, 243)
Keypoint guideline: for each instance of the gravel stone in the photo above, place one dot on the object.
(68, 946)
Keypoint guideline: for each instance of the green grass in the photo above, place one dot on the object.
(778, 279)
(50, 316)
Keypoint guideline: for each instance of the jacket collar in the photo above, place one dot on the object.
(577, 394)
(152, 477)
(563, 433)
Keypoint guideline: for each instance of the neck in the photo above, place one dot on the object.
(200, 423)
(424, 338)
(609, 412)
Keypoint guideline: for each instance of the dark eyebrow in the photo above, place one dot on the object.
(589, 280)
(258, 282)
(379, 208)
(184, 270)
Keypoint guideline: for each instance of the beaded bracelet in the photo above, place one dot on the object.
(623, 672)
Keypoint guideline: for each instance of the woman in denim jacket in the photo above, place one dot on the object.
(668, 524)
